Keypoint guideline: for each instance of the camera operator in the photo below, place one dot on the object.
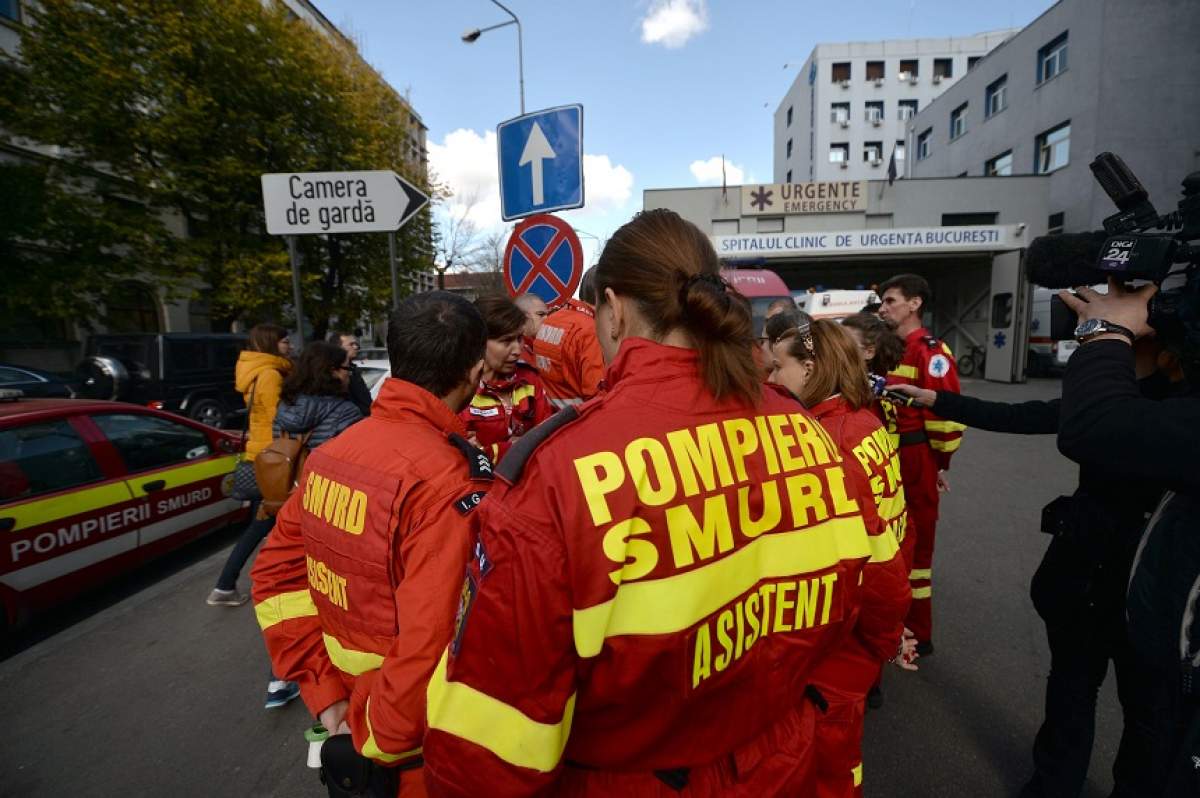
(1107, 424)
(1079, 592)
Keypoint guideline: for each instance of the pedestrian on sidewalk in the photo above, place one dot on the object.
(359, 393)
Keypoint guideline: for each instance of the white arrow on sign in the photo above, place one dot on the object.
(537, 149)
(306, 203)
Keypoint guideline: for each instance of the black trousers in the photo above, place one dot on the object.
(1083, 639)
(252, 535)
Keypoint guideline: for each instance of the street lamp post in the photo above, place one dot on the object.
(472, 35)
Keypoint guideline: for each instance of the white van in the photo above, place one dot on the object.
(834, 304)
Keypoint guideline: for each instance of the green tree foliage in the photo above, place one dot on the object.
(166, 114)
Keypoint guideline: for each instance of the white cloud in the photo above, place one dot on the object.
(672, 22)
(709, 172)
(465, 162)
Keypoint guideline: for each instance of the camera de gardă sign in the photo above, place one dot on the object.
(312, 203)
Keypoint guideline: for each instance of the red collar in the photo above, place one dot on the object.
(576, 305)
(643, 360)
(514, 380)
(400, 400)
(833, 406)
(916, 334)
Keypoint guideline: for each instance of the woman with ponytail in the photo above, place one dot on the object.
(658, 569)
(819, 363)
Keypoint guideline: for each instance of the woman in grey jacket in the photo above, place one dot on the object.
(315, 396)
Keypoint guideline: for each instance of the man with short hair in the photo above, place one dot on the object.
(926, 441)
(762, 355)
(535, 310)
(566, 351)
(356, 587)
(360, 395)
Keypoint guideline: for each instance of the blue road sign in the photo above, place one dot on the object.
(541, 162)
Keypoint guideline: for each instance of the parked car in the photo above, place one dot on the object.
(91, 489)
(190, 374)
(32, 382)
(374, 373)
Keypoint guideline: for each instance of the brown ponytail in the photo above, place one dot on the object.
(669, 268)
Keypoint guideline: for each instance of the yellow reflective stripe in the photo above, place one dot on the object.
(43, 511)
(905, 370)
(459, 709)
(676, 603)
(891, 507)
(371, 749)
(480, 400)
(883, 547)
(946, 349)
(347, 660)
(921, 573)
(182, 475)
(284, 607)
(922, 592)
(520, 392)
(945, 446)
(944, 426)
(856, 774)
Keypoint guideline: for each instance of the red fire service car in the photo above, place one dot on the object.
(89, 489)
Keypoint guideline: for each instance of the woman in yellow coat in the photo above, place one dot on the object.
(259, 374)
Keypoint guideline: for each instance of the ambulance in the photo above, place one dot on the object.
(835, 305)
(90, 489)
(761, 286)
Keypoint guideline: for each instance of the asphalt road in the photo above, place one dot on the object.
(142, 689)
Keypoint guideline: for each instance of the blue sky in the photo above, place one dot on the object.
(664, 83)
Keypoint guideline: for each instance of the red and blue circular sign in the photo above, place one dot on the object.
(543, 257)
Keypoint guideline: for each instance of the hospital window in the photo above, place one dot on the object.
(789, 148)
(899, 151)
(1054, 223)
(839, 112)
(996, 97)
(839, 153)
(1000, 166)
(789, 176)
(1052, 59)
(972, 61)
(873, 151)
(1053, 149)
(841, 71)
(958, 121)
(874, 112)
(789, 116)
(909, 69)
(876, 70)
(908, 109)
(923, 143)
(10, 9)
(943, 68)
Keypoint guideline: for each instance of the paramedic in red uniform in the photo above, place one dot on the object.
(566, 352)
(357, 585)
(926, 441)
(510, 400)
(658, 569)
(819, 363)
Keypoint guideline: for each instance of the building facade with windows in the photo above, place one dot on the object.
(845, 112)
(1087, 76)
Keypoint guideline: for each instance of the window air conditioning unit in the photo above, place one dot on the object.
(878, 81)
(844, 122)
(876, 161)
(912, 79)
(905, 76)
(844, 164)
(937, 79)
(845, 84)
(876, 120)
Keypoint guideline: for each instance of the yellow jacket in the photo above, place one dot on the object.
(261, 374)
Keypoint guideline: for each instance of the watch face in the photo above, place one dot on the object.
(1088, 327)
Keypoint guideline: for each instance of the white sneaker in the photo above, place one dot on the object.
(226, 598)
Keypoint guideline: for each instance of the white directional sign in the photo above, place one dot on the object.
(306, 203)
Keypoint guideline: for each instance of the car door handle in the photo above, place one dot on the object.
(153, 485)
(6, 524)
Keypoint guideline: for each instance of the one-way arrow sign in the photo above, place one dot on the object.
(541, 162)
(300, 203)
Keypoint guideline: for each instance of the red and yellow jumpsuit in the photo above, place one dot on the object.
(845, 676)
(567, 354)
(356, 586)
(657, 573)
(926, 445)
(506, 409)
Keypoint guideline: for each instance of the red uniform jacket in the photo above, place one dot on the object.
(506, 409)
(568, 355)
(928, 363)
(854, 667)
(652, 584)
(356, 586)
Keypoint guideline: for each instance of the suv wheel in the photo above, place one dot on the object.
(207, 411)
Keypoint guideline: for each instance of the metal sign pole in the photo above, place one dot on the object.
(392, 265)
(293, 256)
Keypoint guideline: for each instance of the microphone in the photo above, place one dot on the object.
(1065, 260)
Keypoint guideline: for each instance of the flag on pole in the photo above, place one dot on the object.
(892, 166)
(724, 190)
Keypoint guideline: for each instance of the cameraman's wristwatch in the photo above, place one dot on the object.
(1091, 328)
